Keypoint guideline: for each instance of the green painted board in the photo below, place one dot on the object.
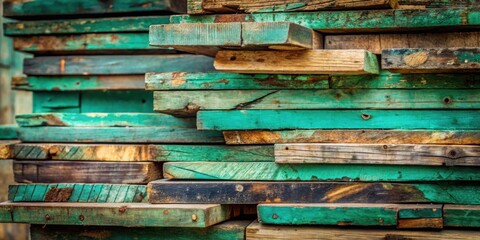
(365, 20)
(461, 216)
(440, 3)
(117, 214)
(270, 171)
(79, 83)
(420, 211)
(115, 64)
(334, 119)
(189, 102)
(56, 102)
(103, 120)
(232, 81)
(82, 26)
(75, 8)
(350, 214)
(8, 132)
(230, 230)
(118, 135)
(62, 192)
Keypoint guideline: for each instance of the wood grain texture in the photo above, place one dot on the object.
(6, 149)
(356, 62)
(256, 231)
(270, 171)
(461, 216)
(78, 192)
(117, 214)
(85, 172)
(420, 223)
(353, 136)
(411, 154)
(246, 192)
(334, 119)
(433, 60)
(115, 64)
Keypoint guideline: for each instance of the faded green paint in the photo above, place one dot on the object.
(412, 212)
(186, 153)
(328, 214)
(8, 132)
(339, 119)
(270, 171)
(80, 83)
(461, 216)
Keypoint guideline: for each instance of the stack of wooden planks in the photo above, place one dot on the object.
(318, 119)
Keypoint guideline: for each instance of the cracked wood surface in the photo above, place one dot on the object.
(7, 151)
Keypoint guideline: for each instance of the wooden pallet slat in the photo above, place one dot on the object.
(7, 151)
(461, 216)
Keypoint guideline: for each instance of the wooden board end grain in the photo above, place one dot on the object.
(7, 149)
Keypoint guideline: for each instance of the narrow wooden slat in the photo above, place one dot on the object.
(7, 151)
(85, 172)
(64, 193)
(408, 154)
(440, 3)
(298, 62)
(117, 214)
(434, 60)
(429, 223)
(461, 216)
(353, 136)
(270, 171)
(235, 192)
(416, 211)
(118, 135)
(8, 132)
(334, 119)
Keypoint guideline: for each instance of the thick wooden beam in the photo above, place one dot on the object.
(115, 64)
(333, 119)
(6, 149)
(118, 135)
(8, 132)
(408, 154)
(461, 216)
(434, 60)
(116, 214)
(356, 62)
(86, 172)
(270, 171)
(78, 192)
(235, 192)
(353, 136)
(37, 9)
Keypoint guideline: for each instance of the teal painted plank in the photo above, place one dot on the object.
(8, 132)
(365, 20)
(328, 214)
(39, 193)
(82, 26)
(103, 120)
(79, 83)
(269, 171)
(461, 216)
(332, 119)
(420, 211)
(56, 102)
(115, 64)
(118, 135)
(85, 194)
(105, 193)
(232, 81)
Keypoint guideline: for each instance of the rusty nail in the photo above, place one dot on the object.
(122, 209)
(275, 216)
(380, 220)
(81, 217)
(452, 153)
(47, 217)
(194, 217)
(447, 100)
(385, 147)
(165, 212)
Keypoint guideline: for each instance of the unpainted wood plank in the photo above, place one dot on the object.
(117, 214)
(6, 149)
(460, 137)
(356, 62)
(461, 216)
(431, 60)
(254, 192)
(420, 223)
(392, 154)
(86, 172)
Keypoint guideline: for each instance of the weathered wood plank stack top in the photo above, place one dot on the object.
(332, 114)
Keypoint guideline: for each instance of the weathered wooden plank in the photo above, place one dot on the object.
(86, 172)
(350, 214)
(27, 9)
(375, 43)
(79, 83)
(353, 136)
(64, 102)
(415, 211)
(7, 151)
(118, 135)
(333, 119)
(256, 231)
(233, 192)
(392, 154)
(390, 80)
(440, 3)
(439, 60)
(8, 132)
(82, 26)
(67, 192)
(134, 153)
(103, 120)
(417, 223)
(461, 216)
(187, 103)
(270, 171)
(209, 6)
(365, 21)
(230, 230)
(355, 62)
(116, 64)
(232, 81)
(117, 214)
